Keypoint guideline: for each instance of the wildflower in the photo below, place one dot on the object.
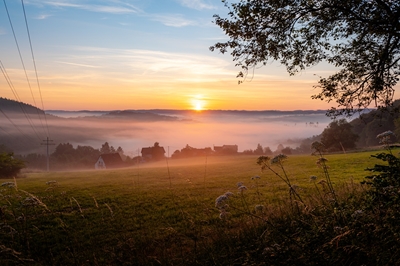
(242, 188)
(30, 201)
(278, 159)
(321, 161)
(8, 184)
(385, 134)
(228, 194)
(317, 146)
(313, 178)
(224, 215)
(263, 160)
(239, 184)
(220, 201)
(322, 182)
(51, 182)
(255, 177)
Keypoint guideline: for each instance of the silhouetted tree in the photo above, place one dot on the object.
(10, 166)
(259, 150)
(120, 150)
(338, 136)
(268, 151)
(105, 148)
(286, 151)
(360, 38)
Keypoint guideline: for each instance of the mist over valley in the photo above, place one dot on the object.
(173, 129)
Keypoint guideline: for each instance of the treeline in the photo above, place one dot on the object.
(65, 157)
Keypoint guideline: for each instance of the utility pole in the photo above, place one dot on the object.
(47, 143)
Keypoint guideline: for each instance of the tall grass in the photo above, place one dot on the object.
(168, 214)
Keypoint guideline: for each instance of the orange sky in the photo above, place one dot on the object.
(117, 55)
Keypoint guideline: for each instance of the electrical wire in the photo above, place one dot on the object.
(10, 84)
(23, 65)
(34, 64)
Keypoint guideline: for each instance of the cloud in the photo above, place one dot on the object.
(135, 65)
(43, 16)
(173, 20)
(115, 9)
(196, 4)
(76, 64)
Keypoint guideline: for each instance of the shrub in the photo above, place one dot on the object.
(9, 166)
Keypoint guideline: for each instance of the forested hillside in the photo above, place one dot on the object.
(369, 125)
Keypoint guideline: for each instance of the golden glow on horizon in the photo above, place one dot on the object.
(198, 102)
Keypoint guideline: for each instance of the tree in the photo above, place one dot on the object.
(120, 150)
(105, 148)
(338, 136)
(10, 166)
(361, 38)
(259, 150)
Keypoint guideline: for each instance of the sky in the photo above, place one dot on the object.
(138, 54)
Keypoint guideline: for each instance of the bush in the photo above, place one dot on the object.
(9, 166)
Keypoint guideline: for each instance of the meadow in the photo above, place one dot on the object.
(166, 213)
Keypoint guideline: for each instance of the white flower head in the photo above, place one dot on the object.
(228, 194)
(242, 188)
(8, 184)
(385, 134)
(220, 202)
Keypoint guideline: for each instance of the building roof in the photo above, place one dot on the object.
(112, 159)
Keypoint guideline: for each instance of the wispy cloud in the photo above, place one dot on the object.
(119, 64)
(43, 16)
(112, 9)
(173, 20)
(75, 64)
(196, 4)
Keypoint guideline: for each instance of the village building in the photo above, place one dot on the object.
(153, 153)
(226, 149)
(109, 161)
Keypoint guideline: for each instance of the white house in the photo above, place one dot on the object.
(107, 161)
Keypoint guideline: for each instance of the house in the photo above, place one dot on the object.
(153, 153)
(109, 160)
(226, 149)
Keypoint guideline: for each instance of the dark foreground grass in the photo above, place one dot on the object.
(166, 214)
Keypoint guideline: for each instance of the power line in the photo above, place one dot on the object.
(17, 98)
(48, 142)
(34, 64)
(20, 131)
(21, 59)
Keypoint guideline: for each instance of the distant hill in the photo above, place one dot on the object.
(12, 106)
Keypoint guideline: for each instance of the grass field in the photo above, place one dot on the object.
(153, 214)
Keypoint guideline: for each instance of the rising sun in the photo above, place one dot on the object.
(198, 103)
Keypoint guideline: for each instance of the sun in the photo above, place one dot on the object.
(198, 103)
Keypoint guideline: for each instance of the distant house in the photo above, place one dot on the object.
(153, 153)
(109, 160)
(226, 149)
(192, 152)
